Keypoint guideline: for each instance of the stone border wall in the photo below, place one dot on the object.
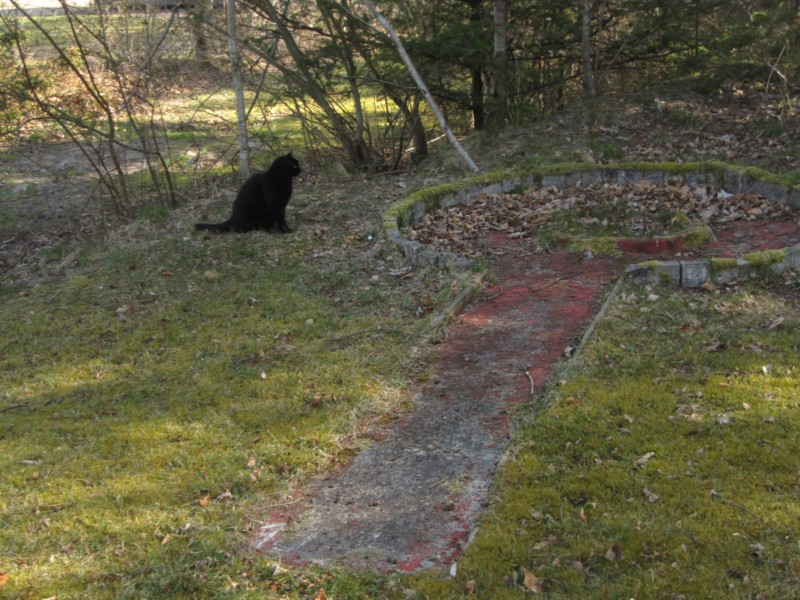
(694, 273)
(698, 272)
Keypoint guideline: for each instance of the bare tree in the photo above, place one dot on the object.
(300, 71)
(114, 114)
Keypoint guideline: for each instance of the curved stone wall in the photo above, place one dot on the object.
(731, 178)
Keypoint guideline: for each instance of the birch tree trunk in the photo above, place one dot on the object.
(238, 88)
(421, 84)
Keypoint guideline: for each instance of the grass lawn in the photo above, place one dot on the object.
(159, 400)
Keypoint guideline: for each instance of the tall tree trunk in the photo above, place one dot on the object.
(200, 11)
(586, 49)
(476, 76)
(238, 88)
(421, 85)
(498, 110)
(476, 99)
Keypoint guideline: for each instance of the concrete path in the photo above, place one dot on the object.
(411, 500)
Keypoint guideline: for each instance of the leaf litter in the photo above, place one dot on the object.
(641, 209)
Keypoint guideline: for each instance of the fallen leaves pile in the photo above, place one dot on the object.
(625, 210)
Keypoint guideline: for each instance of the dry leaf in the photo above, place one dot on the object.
(708, 286)
(469, 587)
(3, 578)
(165, 540)
(642, 460)
(550, 540)
(321, 595)
(776, 324)
(651, 497)
(226, 495)
(614, 553)
(530, 581)
(204, 501)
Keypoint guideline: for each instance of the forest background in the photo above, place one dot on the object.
(104, 76)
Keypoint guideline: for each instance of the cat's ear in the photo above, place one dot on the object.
(290, 154)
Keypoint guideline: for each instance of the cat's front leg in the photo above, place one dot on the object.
(281, 220)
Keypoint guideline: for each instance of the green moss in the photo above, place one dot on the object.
(766, 176)
(601, 246)
(650, 263)
(765, 258)
(696, 236)
(723, 264)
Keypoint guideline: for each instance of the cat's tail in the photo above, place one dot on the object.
(219, 227)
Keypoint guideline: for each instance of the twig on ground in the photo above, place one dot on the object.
(9, 267)
(14, 407)
(555, 281)
(533, 385)
(497, 295)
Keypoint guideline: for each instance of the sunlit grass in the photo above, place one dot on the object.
(154, 402)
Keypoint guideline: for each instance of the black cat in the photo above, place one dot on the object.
(262, 199)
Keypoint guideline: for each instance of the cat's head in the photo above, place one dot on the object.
(290, 164)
